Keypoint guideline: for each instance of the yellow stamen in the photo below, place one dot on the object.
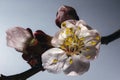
(69, 39)
(97, 38)
(70, 61)
(75, 38)
(69, 31)
(67, 43)
(78, 28)
(82, 38)
(93, 43)
(88, 57)
(87, 49)
(54, 61)
(64, 24)
(63, 47)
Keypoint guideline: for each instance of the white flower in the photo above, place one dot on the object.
(18, 38)
(75, 45)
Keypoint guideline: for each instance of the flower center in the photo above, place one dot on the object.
(72, 44)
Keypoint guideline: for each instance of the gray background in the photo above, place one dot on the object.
(103, 15)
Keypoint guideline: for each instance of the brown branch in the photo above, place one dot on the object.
(23, 75)
(107, 39)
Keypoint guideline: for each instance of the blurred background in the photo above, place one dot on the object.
(103, 15)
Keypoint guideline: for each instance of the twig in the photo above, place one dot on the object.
(107, 39)
(23, 75)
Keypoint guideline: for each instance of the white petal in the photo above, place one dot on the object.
(82, 25)
(58, 39)
(92, 45)
(85, 30)
(48, 60)
(78, 67)
(67, 63)
(18, 38)
(69, 24)
(98, 46)
(93, 36)
(90, 53)
(82, 33)
(62, 35)
(81, 22)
